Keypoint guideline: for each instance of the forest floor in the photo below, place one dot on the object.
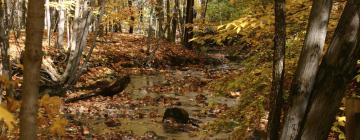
(177, 77)
(171, 76)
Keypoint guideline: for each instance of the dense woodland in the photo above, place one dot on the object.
(180, 69)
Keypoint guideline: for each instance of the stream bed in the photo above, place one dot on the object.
(139, 109)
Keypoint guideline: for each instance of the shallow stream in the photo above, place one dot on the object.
(139, 89)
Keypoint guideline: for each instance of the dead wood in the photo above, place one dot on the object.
(112, 89)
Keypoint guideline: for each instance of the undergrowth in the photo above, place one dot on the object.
(254, 81)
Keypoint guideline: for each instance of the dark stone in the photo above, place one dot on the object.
(257, 135)
(176, 114)
(200, 98)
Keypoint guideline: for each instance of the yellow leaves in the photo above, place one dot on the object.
(230, 26)
(341, 120)
(7, 83)
(51, 113)
(220, 27)
(253, 28)
(67, 5)
(51, 104)
(7, 117)
(58, 127)
(338, 125)
(197, 40)
(238, 30)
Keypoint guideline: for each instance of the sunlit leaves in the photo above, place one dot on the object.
(7, 83)
(58, 126)
(50, 112)
(51, 105)
(338, 127)
(67, 5)
(7, 117)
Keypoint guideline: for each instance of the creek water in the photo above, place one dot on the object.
(139, 89)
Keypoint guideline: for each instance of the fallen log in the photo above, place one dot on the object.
(114, 88)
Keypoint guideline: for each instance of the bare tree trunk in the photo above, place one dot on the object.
(68, 33)
(308, 64)
(23, 14)
(48, 21)
(203, 4)
(78, 41)
(276, 97)
(9, 5)
(188, 34)
(132, 18)
(4, 43)
(97, 31)
(61, 26)
(181, 17)
(150, 32)
(17, 12)
(74, 49)
(159, 18)
(168, 20)
(141, 17)
(174, 21)
(338, 67)
(352, 118)
(32, 64)
(82, 43)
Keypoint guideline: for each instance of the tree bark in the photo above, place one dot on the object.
(150, 32)
(159, 19)
(352, 118)
(203, 4)
(308, 65)
(97, 31)
(48, 21)
(188, 34)
(9, 13)
(4, 43)
(78, 41)
(141, 17)
(168, 20)
(276, 99)
(23, 13)
(174, 21)
(336, 70)
(32, 64)
(84, 25)
(61, 26)
(132, 18)
(74, 49)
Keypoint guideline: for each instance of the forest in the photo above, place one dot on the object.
(180, 69)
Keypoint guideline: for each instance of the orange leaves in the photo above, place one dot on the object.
(51, 105)
(51, 108)
(116, 12)
(13, 105)
(58, 127)
(7, 83)
(7, 117)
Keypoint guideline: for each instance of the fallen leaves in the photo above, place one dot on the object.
(7, 117)
(58, 127)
